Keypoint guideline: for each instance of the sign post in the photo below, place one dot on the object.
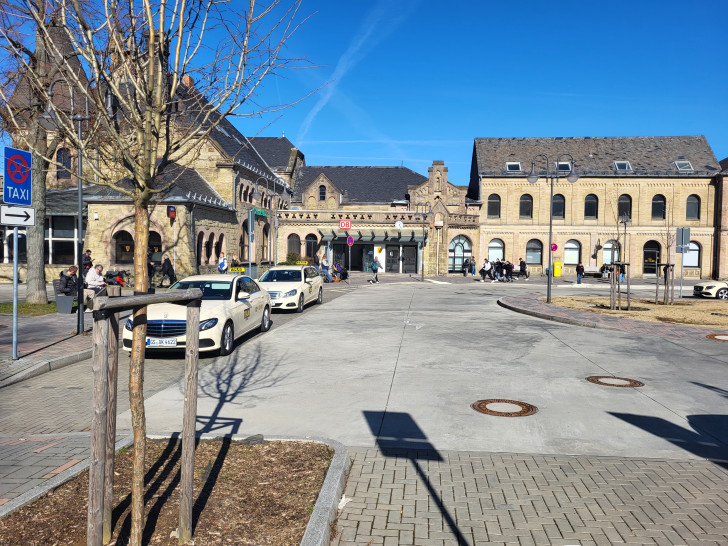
(682, 246)
(16, 191)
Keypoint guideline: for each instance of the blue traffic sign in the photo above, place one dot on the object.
(350, 240)
(17, 177)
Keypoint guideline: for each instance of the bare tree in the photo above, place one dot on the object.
(163, 76)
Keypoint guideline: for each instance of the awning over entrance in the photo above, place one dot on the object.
(391, 236)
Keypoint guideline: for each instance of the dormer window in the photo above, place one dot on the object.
(684, 166)
(622, 166)
(513, 166)
(563, 166)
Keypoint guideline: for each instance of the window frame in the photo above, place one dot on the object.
(558, 166)
(63, 169)
(572, 246)
(525, 198)
(594, 201)
(513, 167)
(536, 246)
(492, 201)
(696, 205)
(657, 199)
(322, 193)
(562, 202)
(619, 204)
(683, 166)
(622, 166)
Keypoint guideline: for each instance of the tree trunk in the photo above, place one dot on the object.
(136, 373)
(36, 281)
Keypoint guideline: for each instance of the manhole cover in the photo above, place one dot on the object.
(504, 408)
(611, 381)
(718, 337)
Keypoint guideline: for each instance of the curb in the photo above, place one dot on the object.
(324, 513)
(45, 366)
(545, 316)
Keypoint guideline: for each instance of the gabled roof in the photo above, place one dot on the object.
(276, 151)
(362, 184)
(595, 156)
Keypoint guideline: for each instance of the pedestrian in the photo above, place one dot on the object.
(222, 264)
(473, 261)
(235, 262)
(86, 263)
(522, 268)
(466, 267)
(487, 270)
(621, 274)
(579, 273)
(68, 284)
(325, 267)
(150, 269)
(167, 271)
(95, 284)
(508, 270)
(498, 270)
(376, 266)
(316, 262)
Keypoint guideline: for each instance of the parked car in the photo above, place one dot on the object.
(293, 286)
(231, 307)
(711, 289)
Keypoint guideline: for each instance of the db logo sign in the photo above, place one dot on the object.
(344, 224)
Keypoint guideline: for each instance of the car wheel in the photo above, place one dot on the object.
(299, 309)
(227, 341)
(265, 322)
(320, 298)
(722, 294)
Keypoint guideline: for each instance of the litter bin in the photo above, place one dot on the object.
(557, 269)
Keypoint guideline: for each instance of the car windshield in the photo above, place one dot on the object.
(211, 290)
(281, 275)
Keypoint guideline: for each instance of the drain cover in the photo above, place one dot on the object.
(718, 337)
(611, 381)
(504, 408)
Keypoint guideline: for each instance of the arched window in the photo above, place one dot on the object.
(692, 258)
(692, 210)
(294, 244)
(123, 248)
(155, 247)
(650, 257)
(200, 247)
(658, 207)
(525, 209)
(494, 204)
(460, 248)
(209, 249)
(624, 206)
(220, 246)
(572, 252)
(63, 169)
(265, 245)
(496, 250)
(311, 245)
(559, 206)
(610, 252)
(534, 252)
(322, 193)
(591, 207)
(244, 244)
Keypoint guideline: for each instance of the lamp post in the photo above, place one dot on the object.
(551, 176)
(424, 209)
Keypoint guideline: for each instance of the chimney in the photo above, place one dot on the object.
(188, 81)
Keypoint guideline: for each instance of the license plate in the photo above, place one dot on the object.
(165, 342)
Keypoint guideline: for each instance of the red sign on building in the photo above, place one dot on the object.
(344, 224)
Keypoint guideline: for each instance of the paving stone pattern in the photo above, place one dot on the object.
(444, 498)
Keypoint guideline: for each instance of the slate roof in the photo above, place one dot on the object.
(276, 151)
(724, 166)
(595, 156)
(362, 184)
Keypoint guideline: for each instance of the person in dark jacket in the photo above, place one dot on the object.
(167, 271)
(579, 273)
(68, 285)
(86, 262)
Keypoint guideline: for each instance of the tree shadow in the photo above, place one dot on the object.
(399, 436)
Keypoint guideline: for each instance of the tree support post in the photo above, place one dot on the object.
(112, 378)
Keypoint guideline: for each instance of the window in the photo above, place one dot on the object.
(563, 167)
(534, 252)
(658, 207)
(624, 206)
(294, 244)
(496, 250)
(494, 204)
(124, 247)
(322, 193)
(692, 210)
(684, 166)
(311, 245)
(650, 257)
(558, 206)
(63, 169)
(155, 247)
(692, 257)
(572, 252)
(591, 206)
(525, 209)
(60, 240)
(513, 166)
(460, 248)
(622, 166)
(244, 244)
(610, 252)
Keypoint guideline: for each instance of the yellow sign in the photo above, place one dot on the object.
(247, 313)
(301, 263)
(379, 249)
(237, 270)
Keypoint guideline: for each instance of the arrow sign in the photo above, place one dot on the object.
(17, 216)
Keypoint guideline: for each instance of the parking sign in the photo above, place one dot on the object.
(17, 177)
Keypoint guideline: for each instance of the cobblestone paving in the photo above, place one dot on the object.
(444, 498)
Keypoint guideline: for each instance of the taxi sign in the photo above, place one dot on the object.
(237, 270)
(350, 240)
(17, 177)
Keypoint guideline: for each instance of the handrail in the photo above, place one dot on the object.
(130, 302)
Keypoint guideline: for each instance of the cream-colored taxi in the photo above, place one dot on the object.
(293, 286)
(712, 289)
(232, 305)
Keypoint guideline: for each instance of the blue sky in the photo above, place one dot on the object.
(407, 82)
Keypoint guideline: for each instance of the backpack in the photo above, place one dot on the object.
(374, 266)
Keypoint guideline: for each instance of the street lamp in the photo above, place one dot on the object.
(424, 209)
(551, 176)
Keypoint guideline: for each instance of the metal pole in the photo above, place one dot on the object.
(15, 293)
(80, 309)
(551, 227)
(251, 239)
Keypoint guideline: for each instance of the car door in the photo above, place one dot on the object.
(256, 301)
(239, 309)
(313, 282)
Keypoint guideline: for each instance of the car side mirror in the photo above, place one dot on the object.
(242, 295)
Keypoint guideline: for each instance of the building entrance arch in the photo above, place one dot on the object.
(650, 257)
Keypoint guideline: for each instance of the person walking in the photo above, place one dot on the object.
(522, 268)
(579, 273)
(508, 270)
(317, 262)
(325, 267)
(487, 270)
(473, 261)
(498, 270)
(222, 265)
(466, 267)
(167, 271)
(376, 266)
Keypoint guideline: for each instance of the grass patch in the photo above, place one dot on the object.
(30, 309)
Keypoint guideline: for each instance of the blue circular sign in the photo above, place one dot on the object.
(350, 240)
(553, 247)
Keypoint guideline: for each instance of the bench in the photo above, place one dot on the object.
(64, 303)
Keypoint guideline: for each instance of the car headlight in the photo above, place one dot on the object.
(709, 287)
(129, 324)
(289, 294)
(207, 324)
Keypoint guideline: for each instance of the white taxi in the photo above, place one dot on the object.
(231, 306)
(293, 286)
(712, 289)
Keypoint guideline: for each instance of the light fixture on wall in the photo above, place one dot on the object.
(96, 215)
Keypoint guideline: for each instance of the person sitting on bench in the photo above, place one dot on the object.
(68, 285)
(95, 283)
